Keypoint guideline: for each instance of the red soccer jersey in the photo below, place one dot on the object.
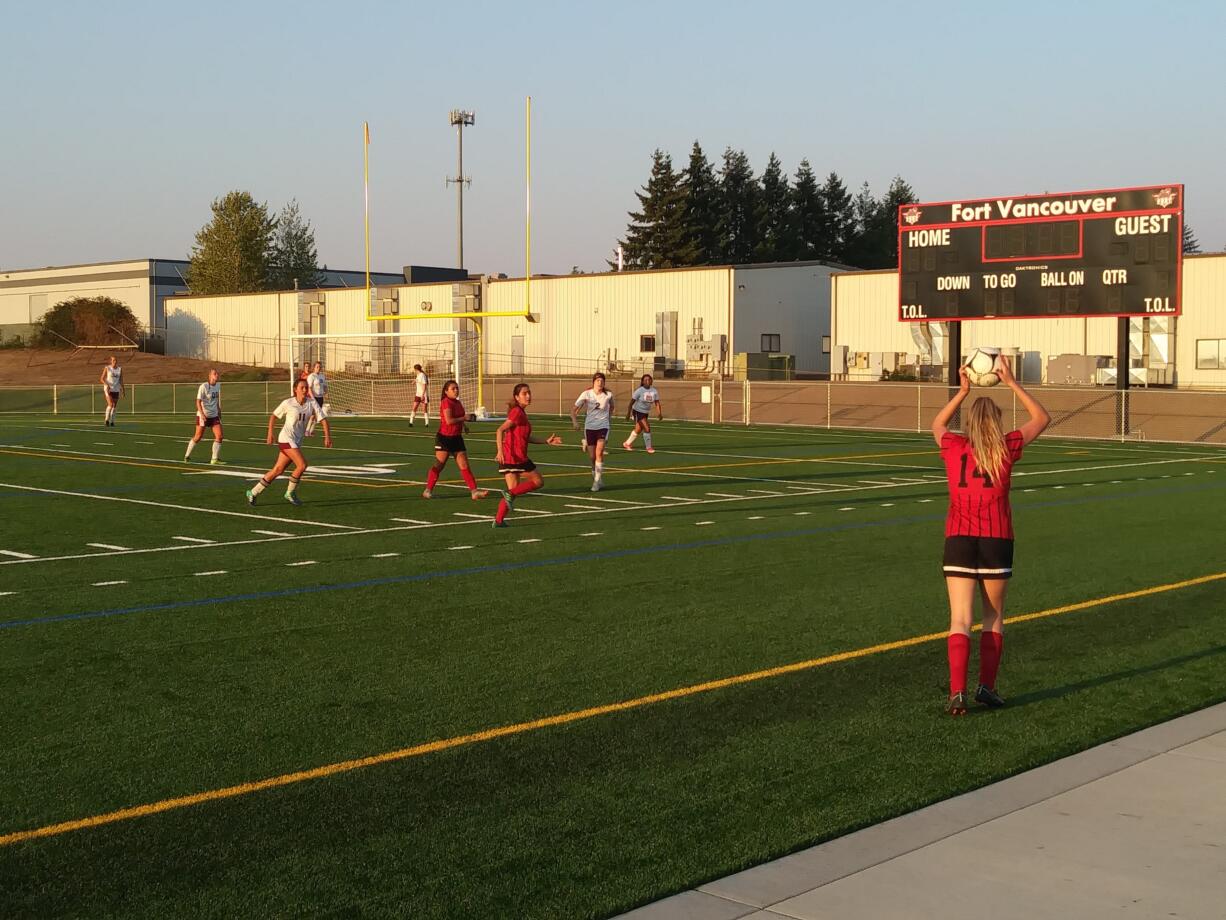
(515, 439)
(978, 506)
(456, 408)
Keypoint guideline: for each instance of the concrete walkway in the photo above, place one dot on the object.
(1135, 828)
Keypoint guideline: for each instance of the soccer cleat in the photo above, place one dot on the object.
(497, 524)
(956, 705)
(293, 499)
(427, 493)
(480, 494)
(989, 697)
(187, 459)
(627, 445)
(651, 450)
(217, 462)
(250, 497)
(596, 486)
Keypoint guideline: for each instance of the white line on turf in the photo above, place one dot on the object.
(465, 514)
(302, 562)
(61, 445)
(847, 509)
(757, 517)
(702, 523)
(196, 508)
(214, 572)
(678, 498)
(408, 521)
(459, 547)
(760, 492)
(6, 593)
(108, 546)
(15, 554)
(923, 501)
(273, 533)
(887, 504)
(722, 495)
(593, 533)
(107, 584)
(550, 513)
(649, 528)
(529, 540)
(199, 540)
(383, 555)
(104, 443)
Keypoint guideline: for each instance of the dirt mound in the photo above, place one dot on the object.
(24, 366)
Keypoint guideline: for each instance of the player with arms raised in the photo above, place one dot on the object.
(208, 415)
(421, 396)
(295, 411)
(317, 382)
(979, 528)
(112, 387)
(641, 402)
(597, 404)
(452, 426)
(512, 439)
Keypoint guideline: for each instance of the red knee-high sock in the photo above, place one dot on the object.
(525, 487)
(501, 514)
(431, 478)
(990, 646)
(469, 479)
(959, 654)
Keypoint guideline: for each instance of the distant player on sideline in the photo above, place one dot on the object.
(421, 396)
(979, 528)
(208, 415)
(304, 373)
(295, 411)
(112, 387)
(452, 426)
(597, 403)
(641, 402)
(317, 383)
(512, 439)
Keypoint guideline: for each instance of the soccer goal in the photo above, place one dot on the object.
(371, 373)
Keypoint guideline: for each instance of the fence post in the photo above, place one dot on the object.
(919, 409)
(748, 397)
(559, 396)
(266, 409)
(372, 397)
(829, 403)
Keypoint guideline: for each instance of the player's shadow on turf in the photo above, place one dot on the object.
(1039, 696)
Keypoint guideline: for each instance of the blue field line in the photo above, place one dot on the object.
(522, 565)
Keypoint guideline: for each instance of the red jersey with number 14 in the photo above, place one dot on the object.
(978, 505)
(515, 439)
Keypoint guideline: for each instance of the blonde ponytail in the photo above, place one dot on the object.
(987, 439)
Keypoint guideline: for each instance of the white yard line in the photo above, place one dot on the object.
(15, 554)
(273, 533)
(383, 555)
(408, 521)
(526, 539)
(302, 562)
(107, 584)
(108, 546)
(214, 572)
(465, 514)
(589, 508)
(723, 495)
(195, 540)
(198, 510)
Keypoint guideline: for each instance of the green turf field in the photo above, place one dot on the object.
(149, 675)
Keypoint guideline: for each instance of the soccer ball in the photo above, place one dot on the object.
(981, 367)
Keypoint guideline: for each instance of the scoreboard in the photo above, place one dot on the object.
(1117, 252)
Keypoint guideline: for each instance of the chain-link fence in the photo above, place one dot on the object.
(1186, 416)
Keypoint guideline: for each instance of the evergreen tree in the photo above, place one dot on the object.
(774, 227)
(898, 194)
(231, 252)
(809, 215)
(294, 262)
(861, 243)
(738, 198)
(1191, 245)
(839, 219)
(702, 209)
(655, 237)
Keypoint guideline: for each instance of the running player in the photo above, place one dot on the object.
(421, 396)
(979, 528)
(641, 401)
(597, 403)
(295, 410)
(112, 387)
(512, 439)
(208, 415)
(317, 382)
(452, 426)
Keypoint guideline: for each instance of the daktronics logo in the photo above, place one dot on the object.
(912, 215)
(1165, 198)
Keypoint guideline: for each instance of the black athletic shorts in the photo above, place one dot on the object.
(640, 416)
(526, 467)
(592, 435)
(451, 443)
(978, 557)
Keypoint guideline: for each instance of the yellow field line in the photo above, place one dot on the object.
(579, 715)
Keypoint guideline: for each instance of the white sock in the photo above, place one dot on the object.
(633, 435)
(425, 414)
(216, 449)
(598, 470)
(412, 416)
(293, 485)
(647, 439)
(191, 445)
(259, 487)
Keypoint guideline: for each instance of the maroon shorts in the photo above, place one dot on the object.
(421, 401)
(112, 396)
(285, 448)
(208, 422)
(596, 434)
(640, 416)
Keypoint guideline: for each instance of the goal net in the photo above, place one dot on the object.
(372, 373)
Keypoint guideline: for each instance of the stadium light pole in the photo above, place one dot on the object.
(460, 119)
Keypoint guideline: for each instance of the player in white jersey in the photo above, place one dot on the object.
(208, 415)
(421, 396)
(597, 403)
(641, 402)
(112, 388)
(295, 411)
(317, 383)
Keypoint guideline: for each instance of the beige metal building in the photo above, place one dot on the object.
(1186, 351)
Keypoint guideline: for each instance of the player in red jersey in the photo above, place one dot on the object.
(513, 437)
(979, 528)
(449, 442)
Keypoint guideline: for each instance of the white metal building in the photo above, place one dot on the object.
(1188, 350)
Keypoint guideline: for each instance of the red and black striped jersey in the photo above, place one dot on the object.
(978, 505)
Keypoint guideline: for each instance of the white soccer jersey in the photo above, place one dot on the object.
(113, 377)
(318, 384)
(645, 399)
(423, 382)
(599, 409)
(296, 417)
(209, 396)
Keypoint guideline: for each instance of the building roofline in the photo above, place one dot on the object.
(54, 268)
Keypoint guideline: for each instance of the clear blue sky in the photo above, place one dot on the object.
(123, 121)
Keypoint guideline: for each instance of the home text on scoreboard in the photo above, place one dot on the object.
(1117, 252)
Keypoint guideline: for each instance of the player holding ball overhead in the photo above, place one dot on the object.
(979, 528)
(513, 437)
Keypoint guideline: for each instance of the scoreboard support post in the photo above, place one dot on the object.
(954, 344)
(1121, 374)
